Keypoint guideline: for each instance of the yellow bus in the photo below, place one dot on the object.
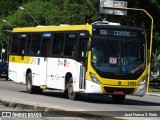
(99, 58)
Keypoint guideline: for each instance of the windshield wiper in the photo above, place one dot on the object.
(137, 68)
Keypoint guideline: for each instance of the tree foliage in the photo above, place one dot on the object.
(55, 12)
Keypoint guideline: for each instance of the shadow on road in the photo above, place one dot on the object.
(141, 103)
(99, 99)
(3, 79)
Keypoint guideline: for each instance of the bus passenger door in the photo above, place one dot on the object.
(42, 61)
(55, 63)
(82, 58)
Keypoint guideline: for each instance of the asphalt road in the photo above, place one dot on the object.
(96, 104)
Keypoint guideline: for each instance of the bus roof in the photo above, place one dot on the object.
(70, 28)
(53, 28)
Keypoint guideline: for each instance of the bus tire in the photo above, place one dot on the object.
(30, 88)
(118, 99)
(7, 78)
(70, 93)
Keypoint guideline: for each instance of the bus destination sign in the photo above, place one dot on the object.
(122, 33)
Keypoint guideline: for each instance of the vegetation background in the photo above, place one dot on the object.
(55, 12)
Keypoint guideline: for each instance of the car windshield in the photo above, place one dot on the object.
(118, 55)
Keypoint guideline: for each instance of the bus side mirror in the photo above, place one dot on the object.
(89, 46)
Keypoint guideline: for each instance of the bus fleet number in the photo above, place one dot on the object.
(132, 83)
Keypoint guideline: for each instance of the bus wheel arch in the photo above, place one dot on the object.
(31, 89)
(69, 87)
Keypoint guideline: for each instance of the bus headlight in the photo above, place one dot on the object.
(143, 81)
(94, 78)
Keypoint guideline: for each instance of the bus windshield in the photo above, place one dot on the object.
(118, 54)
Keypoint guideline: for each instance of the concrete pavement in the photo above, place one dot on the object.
(153, 94)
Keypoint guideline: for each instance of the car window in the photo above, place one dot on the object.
(3, 64)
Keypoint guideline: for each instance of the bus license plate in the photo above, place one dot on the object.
(119, 92)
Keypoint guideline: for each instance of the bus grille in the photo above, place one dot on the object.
(125, 90)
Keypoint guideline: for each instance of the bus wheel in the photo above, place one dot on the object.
(118, 99)
(70, 93)
(30, 88)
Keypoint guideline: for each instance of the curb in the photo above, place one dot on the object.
(153, 94)
(58, 112)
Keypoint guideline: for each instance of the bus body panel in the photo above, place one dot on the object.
(54, 78)
(42, 68)
(13, 75)
(57, 69)
(19, 67)
(16, 69)
(93, 88)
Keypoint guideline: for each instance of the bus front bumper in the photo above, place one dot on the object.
(94, 88)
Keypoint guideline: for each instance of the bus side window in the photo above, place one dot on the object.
(28, 46)
(45, 47)
(57, 46)
(70, 44)
(22, 44)
(36, 40)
